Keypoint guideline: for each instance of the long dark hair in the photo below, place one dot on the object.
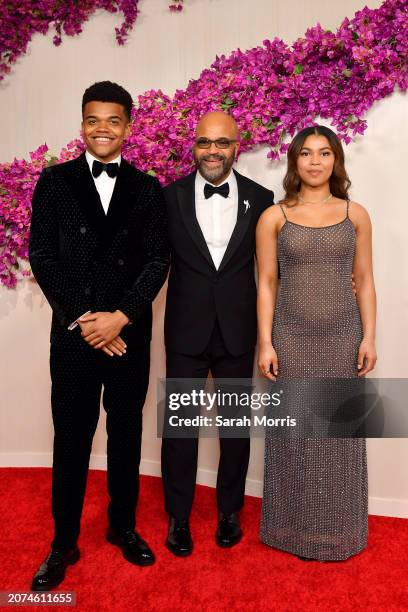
(339, 180)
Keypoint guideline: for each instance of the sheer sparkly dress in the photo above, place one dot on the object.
(315, 490)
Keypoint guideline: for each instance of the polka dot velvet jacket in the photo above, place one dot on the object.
(84, 259)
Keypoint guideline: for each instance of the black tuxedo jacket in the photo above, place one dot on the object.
(84, 259)
(198, 293)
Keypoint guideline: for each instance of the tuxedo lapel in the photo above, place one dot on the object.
(186, 201)
(124, 197)
(85, 193)
(245, 204)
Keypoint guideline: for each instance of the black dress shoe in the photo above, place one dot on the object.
(135, 550)
(229, 531)
(179, 540)
(52, 570)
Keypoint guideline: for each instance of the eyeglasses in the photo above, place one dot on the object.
(220, 143)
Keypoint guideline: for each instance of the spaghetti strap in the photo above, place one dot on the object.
(347, 210)
(283, 212)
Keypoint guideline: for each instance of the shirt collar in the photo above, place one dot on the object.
(91, 158)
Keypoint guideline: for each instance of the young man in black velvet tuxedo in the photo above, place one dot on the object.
(210, 321)
(98, 249)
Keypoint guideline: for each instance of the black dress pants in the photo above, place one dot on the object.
(78, 373)
(179, 455)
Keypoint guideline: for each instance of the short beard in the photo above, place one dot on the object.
(215, 175)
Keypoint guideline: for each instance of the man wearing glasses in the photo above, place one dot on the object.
(210, 321)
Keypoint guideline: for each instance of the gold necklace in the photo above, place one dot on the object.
(321, 201)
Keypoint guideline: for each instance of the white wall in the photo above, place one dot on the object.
(40, 102)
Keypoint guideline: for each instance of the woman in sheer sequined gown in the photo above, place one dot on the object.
(311, 325)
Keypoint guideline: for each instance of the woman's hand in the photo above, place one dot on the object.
(268, 361)
(367, 357)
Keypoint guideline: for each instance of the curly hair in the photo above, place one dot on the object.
(106, 91)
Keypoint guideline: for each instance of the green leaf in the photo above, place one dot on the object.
(172, 155)
(245, 135)
(355, 36)
(347, 73)
(298, 69)
(227, 103)
(51, 159)
(151, 173)
(270, 125)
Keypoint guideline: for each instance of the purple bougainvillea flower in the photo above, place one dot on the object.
(271, 90)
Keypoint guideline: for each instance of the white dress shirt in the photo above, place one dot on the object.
(103, 183)
(216, 216)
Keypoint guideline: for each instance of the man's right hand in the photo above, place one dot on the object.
(116, 347)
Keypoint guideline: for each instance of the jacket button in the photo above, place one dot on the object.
(82, 230)
(120, 262)
(87, 291)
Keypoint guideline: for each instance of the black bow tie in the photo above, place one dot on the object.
(110, 169)
(209, 190)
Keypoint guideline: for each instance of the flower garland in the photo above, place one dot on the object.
(272, 91)
(21, 19)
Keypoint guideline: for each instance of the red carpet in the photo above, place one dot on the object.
(250, 576)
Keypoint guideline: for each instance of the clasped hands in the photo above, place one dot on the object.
(101, 331)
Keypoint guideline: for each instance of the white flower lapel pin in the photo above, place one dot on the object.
(247, 206)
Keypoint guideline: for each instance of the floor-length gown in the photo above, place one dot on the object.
(315, 490)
